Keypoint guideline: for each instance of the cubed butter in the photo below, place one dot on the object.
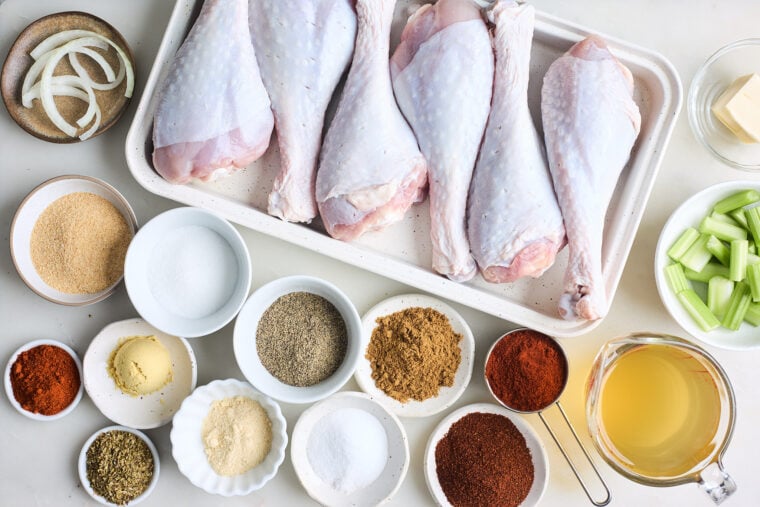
(738, 108)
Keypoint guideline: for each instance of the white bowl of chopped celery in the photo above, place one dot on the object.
(707, 265)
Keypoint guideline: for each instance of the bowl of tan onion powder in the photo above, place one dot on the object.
(228, 439)
(69, 238)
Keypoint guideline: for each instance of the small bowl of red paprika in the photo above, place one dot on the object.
(43, 380)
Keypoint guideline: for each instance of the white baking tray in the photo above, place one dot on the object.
(402, 251)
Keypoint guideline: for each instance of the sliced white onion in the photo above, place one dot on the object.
(49, 52)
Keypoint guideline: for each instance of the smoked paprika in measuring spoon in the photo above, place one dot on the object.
(526, 371)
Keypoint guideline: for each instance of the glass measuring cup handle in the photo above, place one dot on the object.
(598, 503)
(716, 482)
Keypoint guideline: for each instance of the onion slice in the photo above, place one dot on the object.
(49, 53)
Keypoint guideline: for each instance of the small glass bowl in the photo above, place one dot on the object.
(716, 74)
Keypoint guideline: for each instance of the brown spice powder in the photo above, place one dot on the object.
(79, 243)
(413, 353)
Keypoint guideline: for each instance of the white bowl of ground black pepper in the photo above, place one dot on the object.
(118, 466)
(69, 238)
(298, 339)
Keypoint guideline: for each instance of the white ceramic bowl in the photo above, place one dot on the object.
(536, 447)
(142, 256)
(686, 215)
(379, 491)
(187, 446)
(30, 210)
(9, 385)
(711, 80)
(150, 410)
(82, 465)
(447, 395)
(245, 339)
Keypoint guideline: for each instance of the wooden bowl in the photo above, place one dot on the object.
(34, 120)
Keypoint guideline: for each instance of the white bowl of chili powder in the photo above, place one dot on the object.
(69, 239)
(43, 380)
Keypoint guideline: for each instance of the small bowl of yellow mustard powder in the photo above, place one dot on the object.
(69, 238)
(138, 376)
(228, 439)
(419, 355)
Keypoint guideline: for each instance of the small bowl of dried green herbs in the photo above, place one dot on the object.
(118, 466)
(298, 339)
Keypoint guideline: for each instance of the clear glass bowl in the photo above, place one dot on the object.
(716, 74)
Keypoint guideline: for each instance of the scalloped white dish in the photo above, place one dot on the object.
(689, 214)
(447, 396)
(402, 251)
(150, 410)
(385, 486)
(9, 385)
(536, 447)
(187, 445)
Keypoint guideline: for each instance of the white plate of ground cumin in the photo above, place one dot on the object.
(418, 355)
(69, 238)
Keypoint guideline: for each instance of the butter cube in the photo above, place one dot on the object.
(738, 108)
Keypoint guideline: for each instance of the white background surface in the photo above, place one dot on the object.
(38, 460)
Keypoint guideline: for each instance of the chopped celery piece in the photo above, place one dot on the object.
(737, 200)
(737, 267)
(753, 314)
(753, 278)
(698, 310)
(726, 219)
(719, 291)
(710, 270)
(752, 259)
(684, 241)
(676, 279)
(738, 215)
(726, 232)
(697, 256)
(719, 250)
(753, 223)
(752, 248)
(737, 306)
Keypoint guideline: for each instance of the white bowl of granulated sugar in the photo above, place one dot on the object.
(188, 272)
(69, 237)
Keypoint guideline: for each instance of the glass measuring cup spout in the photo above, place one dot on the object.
(661, 411)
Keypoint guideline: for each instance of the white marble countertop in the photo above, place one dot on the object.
(38, 459)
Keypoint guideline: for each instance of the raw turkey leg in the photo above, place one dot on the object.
(371, 169)
(213, 113)
(590, 125)
(303, 48)
(515, 225)
(442, 77)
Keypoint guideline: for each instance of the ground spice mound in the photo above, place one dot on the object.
(79, 243)
(483, 460)
(413, 353)
(45, 379)
(526, 370)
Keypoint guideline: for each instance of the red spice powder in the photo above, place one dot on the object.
(483, 460)
(526, 370)
(45, 379)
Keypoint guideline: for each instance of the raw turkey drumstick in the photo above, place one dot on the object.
(515, 225)
(442, 77)
(371, 170)
(213, 113)
(590, 124)
(303, 47)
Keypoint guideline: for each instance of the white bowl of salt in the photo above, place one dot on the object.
(349, 450)
(188, 272)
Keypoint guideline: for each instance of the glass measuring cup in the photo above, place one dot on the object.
(688, 413)
(546, 405)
